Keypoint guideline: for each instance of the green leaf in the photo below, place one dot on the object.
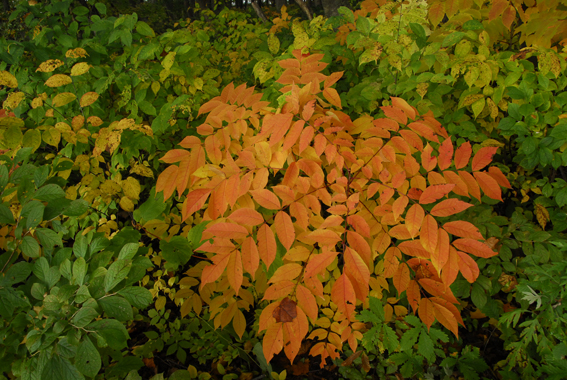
(3, 176)
(82, 294)
(150, 209)
(349, 15)
(117, 272)
(112, 331)
(177, 251)
(117, 307)
(473, 25)
(137, 296)
(59, 368)
(81, 245)
(478, 106)
(363, 25)
(49, 193)
(425, 346)
(79, 270)
(453, 38)
(144, 29)
(33, 211)
(6, 216)
(9, 301)
(148, 51)
(38, 291)
(84, 316)
(77, 208)
(30, 247)
(409, 338)
(80, 11)
(17, 273)
(478, 295)
(195, 233)
(48, 238)
(128, 251)
(88, 360)
(101, 8)
(126, 37)
(418, 30)
(147, 108)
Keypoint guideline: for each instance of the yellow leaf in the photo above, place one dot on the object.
(76, 53)
(95, 121)
(142, 170)
(52, 136)
(63, 98)
(58, 80)
(168, 60)
(32, 139)
(37, 102)
(79, 69)
(273, 43)
(155, 87)
(49, 65)
(7, 79)
(127, 204)
(13, 100)
(542, 215)
(13, 137)
(78, 122)
(88, 99)
(160, 303)
(131, 188)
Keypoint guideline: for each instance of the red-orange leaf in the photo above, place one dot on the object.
(437, 288)
(414, 219)
(497, 174)
(359, 224)
(319, 263)
(488, 185)
(225, 230)
(413, 294)
(167, 181)
(497, 8)
(402, 278)
(342, 294)
(427, 160)
(402, 104)
(293, 134)
(250, 256)
(429, 233)
(464, 229)
(468, 267)
(449, 207)
(426, 312)
(474, 247)
(445, 316)
(332, 97)
(483, 157)
(266, 244)
(472, 185)
(286, 311)
(211, 273)
(279, 290)
(246, 216)
(451, 268)
(463, 155)
(307, 302)
(445, 154)
(266, 199)
(434, 193)
(175, 155)
(324, 237)
(360, 245)
(413, 248)
(284, 229)
(392, 260)
(509, 16)
(357, 268)
(441, 254)
(234, 270)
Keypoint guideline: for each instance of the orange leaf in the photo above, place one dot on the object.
(429, 233)
(413, 294)
(194, 201)
(424, 130)
(324, 237)
(449, 207)
(468, 267)
(472, 185)
(400, 232)
(483, 157)
(392, 260)
(497, 8)
(358, 269)
(273, 341)
(463, 155)
(234, 270)
(413, 248)
(246, 216)
(359, 224)
(239, 323)
(402, 278)
(266, 199)
(414, 219)
(279, 290)
(250, 256)
(399, 206)
(463, 229)
(460, 186)
(286, 272)
(332, 97)
(445, 154)
(437, 288)
(441, 254)
(360, 245)
(307, 302)
(211, 273)
(225, 230)
(266, 244)
(294, 333)
(451, 7)
(435, 192)
(318, 263)
(447, 314)
(306, 138)
(451, 268)
(427, 160)
(404, 106)
(488, 185)
(426, 312)
(293, 134)
(342, 294)
(166, 181)
(175, 155)
(497, 174)
(474, 247)
(284, 229)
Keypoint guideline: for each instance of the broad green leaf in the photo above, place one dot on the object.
(137, 296)
(79, 270)
(453, 38)
(84, 316)
(478, 106)
(9, 301)
(82, 295)
(60, 368)
(88, 360)
(113, 332)
(478, 295)
(48, 238)
(144, 29)
(17, 273)
(13, 137)
(30, 247)
(128, 251)
(147, 108)
(32, 139)
(117, 272)
(49, 192)
(6, 216)
(63, 99)
(33, 212)
(177, 251)
(38, 291)
(81, 11)
(168, 60)
(425, 346)
(117, 307)
(80, 246)
(77, 208)
(150, 209)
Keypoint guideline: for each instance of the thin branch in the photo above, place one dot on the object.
(305, 8)
(259, 12)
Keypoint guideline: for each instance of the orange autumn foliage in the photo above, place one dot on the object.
(350, 203)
